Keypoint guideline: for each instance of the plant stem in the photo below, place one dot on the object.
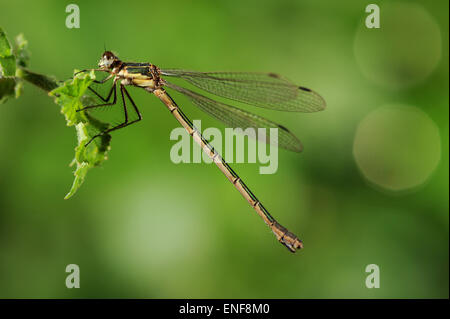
(42, 81)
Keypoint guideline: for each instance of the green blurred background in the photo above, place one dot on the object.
(371, 186)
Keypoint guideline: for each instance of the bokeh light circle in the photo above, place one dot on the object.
(403, 51)
(397, 147)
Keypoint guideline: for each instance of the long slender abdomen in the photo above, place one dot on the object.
(288, 239)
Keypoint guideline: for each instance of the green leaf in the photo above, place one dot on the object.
(70, 96)
(7, 69)
(7, 88)
(7, 59)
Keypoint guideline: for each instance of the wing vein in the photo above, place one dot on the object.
(238, 118)
(267, 90)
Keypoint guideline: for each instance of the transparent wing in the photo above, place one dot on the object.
(267, 90)
(237, 118)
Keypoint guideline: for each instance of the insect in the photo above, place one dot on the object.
(267, 90)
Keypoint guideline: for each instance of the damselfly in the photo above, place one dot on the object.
(267, 90)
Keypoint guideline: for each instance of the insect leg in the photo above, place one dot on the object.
(125, 123)
(113, 89)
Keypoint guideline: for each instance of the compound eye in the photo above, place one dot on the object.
(108, 55)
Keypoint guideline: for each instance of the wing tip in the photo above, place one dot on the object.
(321, 105)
